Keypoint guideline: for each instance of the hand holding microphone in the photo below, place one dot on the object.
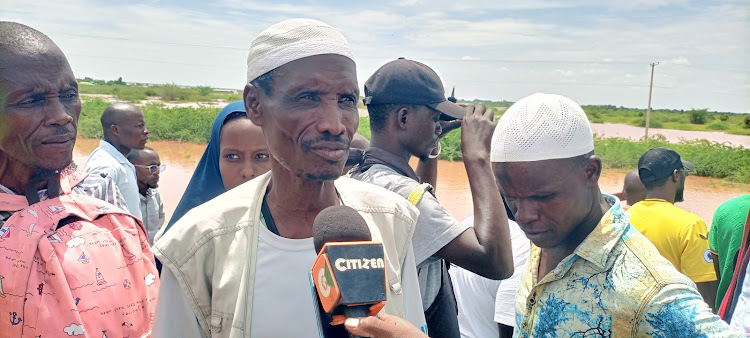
(383, 326)
(348, 275)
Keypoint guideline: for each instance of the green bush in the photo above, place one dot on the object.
(170, 92)
(364, 127)
(675, 118)
(181, 124)
(89, 124)
(718, 126)
(723, 117)
(698, 116)
(204, 90)
(654, 123)
(710, 158)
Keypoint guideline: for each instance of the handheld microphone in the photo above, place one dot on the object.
(348, 276)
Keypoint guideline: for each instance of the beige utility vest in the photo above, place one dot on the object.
(212, 249)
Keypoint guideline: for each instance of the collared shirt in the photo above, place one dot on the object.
(152, 210)
(482, 302)
(615, 284)
(97, 186)
(106, 159)
(680, 236)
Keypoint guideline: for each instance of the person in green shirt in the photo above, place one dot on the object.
(724, 239)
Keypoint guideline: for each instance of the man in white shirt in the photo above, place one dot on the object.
(238, 264)
(148, 167)
(124, 129)
(485, 306)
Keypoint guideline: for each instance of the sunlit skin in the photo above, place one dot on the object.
(243, 152)
(129, 128)
(146, 179)
(39, 118)
(673, 189)
(308, 120)
(557, 203)
(133, 131)
(424, 131)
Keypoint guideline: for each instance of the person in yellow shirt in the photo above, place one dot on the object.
(679, 235)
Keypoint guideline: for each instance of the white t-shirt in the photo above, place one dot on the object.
(282, 298)
(741, 316)
(483, 302)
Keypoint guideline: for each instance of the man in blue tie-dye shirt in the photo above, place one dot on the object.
(590, 273)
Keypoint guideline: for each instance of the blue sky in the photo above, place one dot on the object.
(596, 52)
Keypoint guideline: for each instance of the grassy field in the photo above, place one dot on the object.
(695, 119)
(166, 92)
(181, 124)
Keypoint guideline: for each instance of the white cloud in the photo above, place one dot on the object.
(410, 3)
(470, 58)
(565, 72)
(150, 278)
(595, 70)
(643, 4)
(681, 61)
(75, 241)
(74, 330)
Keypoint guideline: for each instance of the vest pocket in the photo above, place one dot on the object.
(396, 288)
(216, 321)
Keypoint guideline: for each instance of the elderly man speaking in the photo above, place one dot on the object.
(237, 265)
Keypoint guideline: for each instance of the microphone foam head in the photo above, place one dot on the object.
(339, 223)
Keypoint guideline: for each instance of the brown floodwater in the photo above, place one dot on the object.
(672, 135)
(702, 194)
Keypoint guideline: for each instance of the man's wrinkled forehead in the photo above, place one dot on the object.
(317, 73)
(33, 69)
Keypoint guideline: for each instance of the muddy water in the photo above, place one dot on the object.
(672, 136)
(702, 195)
(181, 159)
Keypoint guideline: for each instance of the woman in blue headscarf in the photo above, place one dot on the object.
(236, 153)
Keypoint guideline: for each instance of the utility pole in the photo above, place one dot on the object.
(650, 89)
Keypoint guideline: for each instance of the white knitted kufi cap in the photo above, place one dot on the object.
(291, 40)
(541, 127)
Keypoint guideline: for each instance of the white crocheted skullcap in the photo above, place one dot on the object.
(291, 40)
(541, 127)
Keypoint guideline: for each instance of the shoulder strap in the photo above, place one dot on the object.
(416, 195)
